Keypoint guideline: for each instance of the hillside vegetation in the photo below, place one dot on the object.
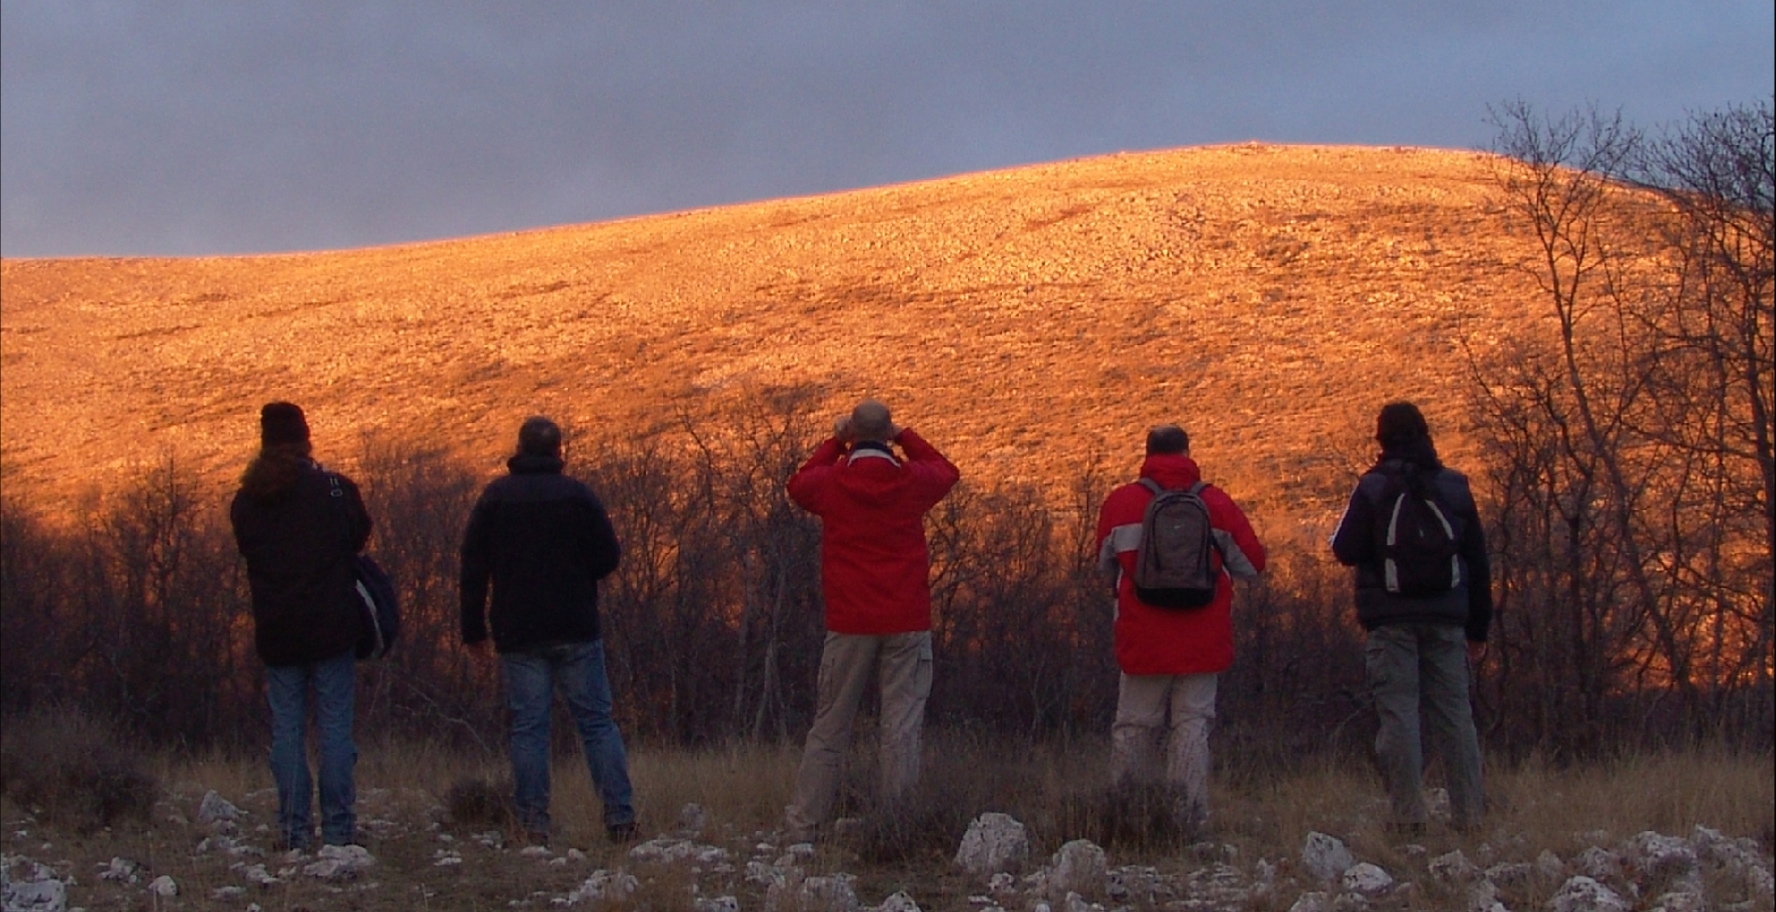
(1029, 321)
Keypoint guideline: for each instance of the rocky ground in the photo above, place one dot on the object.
(209, 852)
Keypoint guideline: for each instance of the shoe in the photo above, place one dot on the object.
(287, 844)
(623, 833)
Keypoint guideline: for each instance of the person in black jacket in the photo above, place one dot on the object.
(298, 527)
(1419, 646)
(542, 541)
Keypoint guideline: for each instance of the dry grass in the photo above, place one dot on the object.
(1055, 790)
(1029, 321)
(72, 771)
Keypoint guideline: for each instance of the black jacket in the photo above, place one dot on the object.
(298, 543)
(543, 541)
(1354, 544)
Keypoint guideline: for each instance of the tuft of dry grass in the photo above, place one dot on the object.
(74, 771)
(476, 802)
(420, 807)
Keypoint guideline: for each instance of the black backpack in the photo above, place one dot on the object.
(1173, 568)
(1415, 538)
(380, 614)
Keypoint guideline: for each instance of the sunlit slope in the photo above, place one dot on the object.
(1027, 321)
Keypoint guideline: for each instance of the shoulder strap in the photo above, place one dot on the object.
(337, 494)
(1152, 485)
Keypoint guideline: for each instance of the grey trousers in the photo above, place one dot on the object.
(1176, 711)
(901, 664)
(1419, 672)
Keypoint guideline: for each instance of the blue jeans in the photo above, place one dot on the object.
(335, 690)
(577, 670)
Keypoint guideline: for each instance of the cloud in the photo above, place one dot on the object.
(191, 128)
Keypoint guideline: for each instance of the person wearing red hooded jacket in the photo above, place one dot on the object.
(1170, 657)
(875, 576)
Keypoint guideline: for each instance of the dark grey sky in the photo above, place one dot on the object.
(181, 127)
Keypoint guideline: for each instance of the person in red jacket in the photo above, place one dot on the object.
(875, 575)
(1170, 657)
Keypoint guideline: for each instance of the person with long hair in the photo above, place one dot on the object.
(1420, 639)
(298, 526)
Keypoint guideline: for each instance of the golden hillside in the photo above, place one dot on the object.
(1027, 321)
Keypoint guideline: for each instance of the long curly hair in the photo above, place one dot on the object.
(274, 471)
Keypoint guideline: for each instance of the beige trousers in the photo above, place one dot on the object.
(901, 665)
(1177, 709)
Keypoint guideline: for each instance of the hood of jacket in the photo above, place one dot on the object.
(1171, 470)
(871, 475)
(528, 464)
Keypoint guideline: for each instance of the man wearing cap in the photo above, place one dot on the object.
(542, 540)
(1171, 658)
(298, 527)
(875, 569)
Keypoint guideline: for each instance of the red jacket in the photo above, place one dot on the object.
(874, 564)
(1169, 641)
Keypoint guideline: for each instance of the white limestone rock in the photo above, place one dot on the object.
(1325, 857)
(602, 886)
(1079, 867)
(1661, 856)
(1366, 879)
(1511, 874)
(825, 892)
(1598, 863)
(35, 889)
(899, 902)
(216, 809)
(1454, 869)
(121, 870)
(339, 862)
(1680, 902)
(1312, 902)
(669, 850)
(994, 843)
(1549, 867)
(1583, 894)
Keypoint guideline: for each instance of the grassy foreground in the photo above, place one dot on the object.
(440, 845)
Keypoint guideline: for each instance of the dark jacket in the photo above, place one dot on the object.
(1354, 544)
(298, 541)
(543, 541)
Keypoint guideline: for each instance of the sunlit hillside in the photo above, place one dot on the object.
(1028, 321)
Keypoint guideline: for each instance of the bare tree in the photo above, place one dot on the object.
(1609, 436)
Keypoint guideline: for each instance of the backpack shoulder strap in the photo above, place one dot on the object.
(1151, 485)
(340, 509)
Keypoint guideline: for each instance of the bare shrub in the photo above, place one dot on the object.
(475, 802)
(1142, 817)
(74, 771)
(925, 825)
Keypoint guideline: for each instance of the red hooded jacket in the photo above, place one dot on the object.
(1170, 641)
(874, 564)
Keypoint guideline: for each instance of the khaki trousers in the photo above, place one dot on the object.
(1178, 708)
(901, 664)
